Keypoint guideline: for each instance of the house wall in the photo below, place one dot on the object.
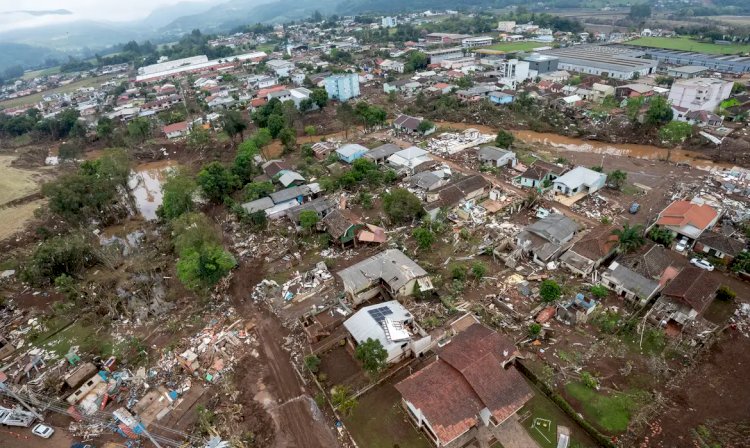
(365, 295)
(700, 247)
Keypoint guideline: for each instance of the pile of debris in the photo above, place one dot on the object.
(741, 319)
(451, 143)
(302, 286)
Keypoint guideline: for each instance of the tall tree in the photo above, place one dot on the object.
(217, 181)
(233, 124)
(629, 238)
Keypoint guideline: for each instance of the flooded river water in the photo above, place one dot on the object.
(145, 184)
(563, 143)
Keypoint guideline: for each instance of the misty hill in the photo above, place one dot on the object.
(25, 55)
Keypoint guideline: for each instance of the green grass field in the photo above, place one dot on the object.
(686, 44)
(514, 46)
(610, 412)
(33, 99)
(46, 71)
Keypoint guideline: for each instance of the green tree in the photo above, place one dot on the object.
(675, 132)
(659, 111)
(233, 124)
(534, 330)
(616, 179)
(139, 129)
(312, 363)
(416, 61)
(342, 399)
(69, 255)
(70, 150)
(104, 128)
(320, 97)
(402, 206)
(346, 116)
(308, 219)
(217, 181)
(244, 166)
(741, 262)
(199, 139)
(424, 237)
(372, 355)
(178, 193)
(204, 267)
(629, 238)
(93, 191)
(504, 139)
(633, 107)
(640, 11)
(275, 124)
(257, 190)
(288, 139)
(549, 291)
(425, 126)
(661, 235)
(310, 130)
(191, 231)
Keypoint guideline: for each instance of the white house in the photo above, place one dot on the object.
(699, 93)
(579, 180)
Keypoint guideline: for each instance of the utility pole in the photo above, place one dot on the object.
(5, 388)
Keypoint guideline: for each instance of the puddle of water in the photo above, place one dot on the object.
(145, 184)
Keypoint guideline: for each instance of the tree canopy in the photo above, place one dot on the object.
(402, 206)
(372, 355)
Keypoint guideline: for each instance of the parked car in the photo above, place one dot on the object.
(43, 431)
(701, 263)
(681, 245)
(634, 207)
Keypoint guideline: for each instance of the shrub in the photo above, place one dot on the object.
(725, 293)
(458, 272)
(312, 363)
(599, 291)
(425, 238)
(534, 330)
(589, 380)
(550, 290)
(61, 255)
(478, 270)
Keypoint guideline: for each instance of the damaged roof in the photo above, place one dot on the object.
(722, 243)
(390, 266)
(467, 377)
(338, 222)
(693, 286)
(555, 228)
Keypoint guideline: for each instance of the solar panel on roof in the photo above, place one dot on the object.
(379, 313)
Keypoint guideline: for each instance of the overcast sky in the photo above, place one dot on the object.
(108, 10)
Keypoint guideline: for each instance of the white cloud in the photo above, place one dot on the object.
(100, 10)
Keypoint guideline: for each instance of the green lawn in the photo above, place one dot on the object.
(610, 412)
(540, 410)
(686, 44)
(515, 46)
(379, 421)
(46, 71)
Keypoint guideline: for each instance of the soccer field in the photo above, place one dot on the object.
(515, 46)
(686, 44)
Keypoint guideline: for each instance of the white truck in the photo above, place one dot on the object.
(16, 417)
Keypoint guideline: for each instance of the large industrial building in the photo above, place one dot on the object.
(194, 64)
(437, 56)
(603, 60)
(719, 63)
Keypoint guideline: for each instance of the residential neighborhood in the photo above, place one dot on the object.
(517, 227)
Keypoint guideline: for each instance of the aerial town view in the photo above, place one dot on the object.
(375, 224)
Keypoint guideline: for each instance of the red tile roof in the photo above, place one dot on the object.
(467, 377)
(175, 127)
(262, 93)
(693, 286)
(682, 213)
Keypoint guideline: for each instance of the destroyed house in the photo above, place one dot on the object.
(450, 195)
(687, 296)
(497, 157)
(389, 271)
(381, 153)
(590, 251)
(321, 206)
(299, 193)
(540, 175)
(342, 225)
(544, 239)
(639, 276)
(393, 326)
(718, 245)
(468, 391)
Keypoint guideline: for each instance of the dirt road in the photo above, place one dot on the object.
(272, 381)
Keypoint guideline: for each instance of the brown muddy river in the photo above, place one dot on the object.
(562, 143)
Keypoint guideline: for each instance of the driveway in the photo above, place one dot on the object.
(511, 434)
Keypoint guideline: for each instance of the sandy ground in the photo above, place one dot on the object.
(15, 183)
(14, 219)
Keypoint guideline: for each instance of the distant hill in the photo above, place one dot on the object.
(25, 55)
